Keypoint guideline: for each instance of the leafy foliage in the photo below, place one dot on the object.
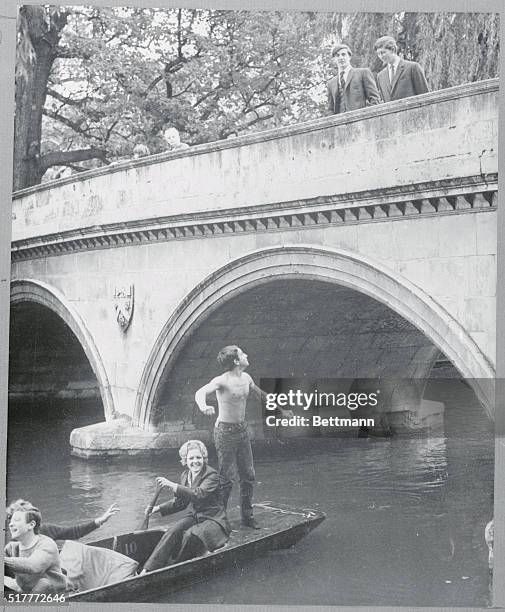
(116, 76)
(453, 48)
(208, 73)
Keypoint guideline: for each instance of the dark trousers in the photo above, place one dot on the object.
(233, 448)
(172, 546)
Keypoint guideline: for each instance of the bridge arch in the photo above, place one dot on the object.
(27, 290)
(321, 264)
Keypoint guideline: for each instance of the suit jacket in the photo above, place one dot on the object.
(360, 90)
(202, 500)
(409, 80)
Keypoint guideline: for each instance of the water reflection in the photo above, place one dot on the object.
(405, 524)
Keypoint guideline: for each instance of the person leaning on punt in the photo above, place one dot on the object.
(204, 525)
(61, 532)
(85, 566)
(31, 556)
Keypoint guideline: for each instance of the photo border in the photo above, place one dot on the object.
(8, 12)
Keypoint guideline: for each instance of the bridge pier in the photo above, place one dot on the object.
(358, 245)
(119, 439)
(402, 409)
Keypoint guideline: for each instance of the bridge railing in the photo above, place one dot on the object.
(440, 135)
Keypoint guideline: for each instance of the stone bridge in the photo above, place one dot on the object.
(360, 245)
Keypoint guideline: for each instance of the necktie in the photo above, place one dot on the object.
(342, 81)
(391, 73)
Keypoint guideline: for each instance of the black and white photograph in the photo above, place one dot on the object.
(252, 333)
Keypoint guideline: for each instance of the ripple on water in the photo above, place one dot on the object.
(405, 515)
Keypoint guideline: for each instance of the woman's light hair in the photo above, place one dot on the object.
(190, 444)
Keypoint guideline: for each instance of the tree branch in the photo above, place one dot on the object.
(257, 120)
(68, 122)
(58, 21)
(65, 158)
(209, 94)
(183, 91)
(254, 109)
(175, 65)
(111, 129)
(76, 168)
(179, 33)
(63, 53)
(153, 84)
(64, 100)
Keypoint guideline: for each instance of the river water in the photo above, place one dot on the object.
(405, 516)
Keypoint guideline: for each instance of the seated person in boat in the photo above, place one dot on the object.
(85, 566)
(203, 526)
(60, 532)
(32, 557)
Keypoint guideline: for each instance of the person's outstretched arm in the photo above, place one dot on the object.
(75, 532)
(262, 396)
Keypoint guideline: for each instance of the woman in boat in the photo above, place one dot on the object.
(203, 526)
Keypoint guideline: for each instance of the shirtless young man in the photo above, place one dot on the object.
(231, 438)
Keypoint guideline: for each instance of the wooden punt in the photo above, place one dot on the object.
(281, 527)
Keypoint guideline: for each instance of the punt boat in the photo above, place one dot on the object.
(281, 527)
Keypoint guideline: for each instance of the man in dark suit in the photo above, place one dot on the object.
(400, 78)
(351, 88)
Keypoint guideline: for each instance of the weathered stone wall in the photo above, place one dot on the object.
(440, 239)
(459, 274)
(448, 133)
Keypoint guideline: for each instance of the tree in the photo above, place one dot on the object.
(453, 48)
(92, 82)
(105, 79)
(39, 36)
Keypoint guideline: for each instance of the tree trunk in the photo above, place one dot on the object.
(44, 29)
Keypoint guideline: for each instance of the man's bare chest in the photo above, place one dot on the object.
(236, 390)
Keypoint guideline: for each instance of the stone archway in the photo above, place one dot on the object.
(27, 290)
(313, 263)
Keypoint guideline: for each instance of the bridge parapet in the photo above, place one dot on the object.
(397, 151)
(406, 189)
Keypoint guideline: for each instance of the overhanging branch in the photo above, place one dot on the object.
(65, 120)
(66, 158)
(64, 100)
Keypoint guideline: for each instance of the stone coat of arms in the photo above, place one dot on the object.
(123, 303)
